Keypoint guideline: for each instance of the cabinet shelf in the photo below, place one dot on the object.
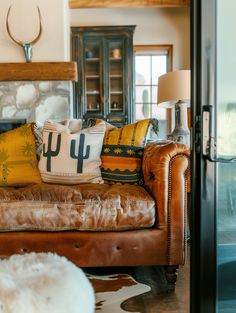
(92, 59)
(115, 76)
(116, 109)
(116, 92)
(92, 76)
(91, 93)
(93, 110)
(115, 59)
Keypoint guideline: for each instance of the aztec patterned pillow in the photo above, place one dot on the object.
(122, 151)
(71, 155)
(18, 163)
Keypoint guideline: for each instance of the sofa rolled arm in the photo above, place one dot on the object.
(166, 167)
(166, 170)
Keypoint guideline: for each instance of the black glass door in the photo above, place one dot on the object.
(213, 269)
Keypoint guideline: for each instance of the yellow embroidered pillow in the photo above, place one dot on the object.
(122, 152)
(18, 163)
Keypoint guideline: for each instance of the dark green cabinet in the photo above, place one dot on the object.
(105, 69)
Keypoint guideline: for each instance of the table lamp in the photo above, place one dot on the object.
(174, 92)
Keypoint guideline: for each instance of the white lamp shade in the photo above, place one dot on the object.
(172, 87)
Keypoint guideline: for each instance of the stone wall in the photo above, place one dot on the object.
(36, 101)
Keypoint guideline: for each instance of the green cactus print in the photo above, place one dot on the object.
(51, 153)
(3, 155)
(25, 130)
(80, 154)
(27, 150)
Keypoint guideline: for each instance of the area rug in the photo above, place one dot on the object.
(113, 290)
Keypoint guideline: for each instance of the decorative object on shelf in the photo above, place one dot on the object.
(27, 46)
(174, 91)
(89, 54)
(114, 105)
(116, 53)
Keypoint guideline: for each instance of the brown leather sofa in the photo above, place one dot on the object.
(105, 225)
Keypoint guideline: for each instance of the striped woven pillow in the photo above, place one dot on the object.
(122, 152)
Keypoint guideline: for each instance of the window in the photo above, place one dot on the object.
(150, 63)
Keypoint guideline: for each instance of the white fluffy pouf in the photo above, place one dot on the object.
(44, 283)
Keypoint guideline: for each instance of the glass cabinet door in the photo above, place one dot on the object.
(116, 76)
(104, 56)
(93, 102)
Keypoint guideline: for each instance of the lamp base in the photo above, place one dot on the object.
(181, 138)
(181, 132)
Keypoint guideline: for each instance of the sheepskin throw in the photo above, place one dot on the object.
(43, 283)
(71, 155)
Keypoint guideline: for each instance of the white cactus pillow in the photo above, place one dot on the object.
(70, 154)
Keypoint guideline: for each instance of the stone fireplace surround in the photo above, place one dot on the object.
(36, 101)
(37, 91)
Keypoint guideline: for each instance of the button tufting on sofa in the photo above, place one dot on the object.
(152, 177)
(24, 250)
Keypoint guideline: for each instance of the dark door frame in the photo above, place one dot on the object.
(203, 174)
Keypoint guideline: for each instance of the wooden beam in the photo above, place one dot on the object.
(76, 4)
(38, 71)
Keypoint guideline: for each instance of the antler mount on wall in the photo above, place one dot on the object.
(27, 46)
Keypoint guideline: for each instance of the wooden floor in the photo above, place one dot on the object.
(157, 300)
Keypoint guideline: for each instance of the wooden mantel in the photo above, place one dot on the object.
(75, 4)
(37, 71)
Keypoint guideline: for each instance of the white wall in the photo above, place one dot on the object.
(154, 26)
(54, 42)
